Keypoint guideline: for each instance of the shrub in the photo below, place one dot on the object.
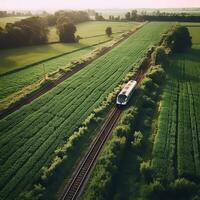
(146, 171)
(138, 139)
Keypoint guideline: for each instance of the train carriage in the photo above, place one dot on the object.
(125, 94)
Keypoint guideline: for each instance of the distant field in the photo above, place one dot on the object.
(93, 28)
(30, 135)
(5, 20)
(195, 33)
(19, 57)
(14, 82)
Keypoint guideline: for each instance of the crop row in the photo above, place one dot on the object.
(30, 136)
(178, 136)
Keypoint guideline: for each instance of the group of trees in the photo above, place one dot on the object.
(34, 30)
(28, 31)
(178, 39)
(72, 16)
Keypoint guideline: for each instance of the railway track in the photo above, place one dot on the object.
(81, 175)
(73, 190)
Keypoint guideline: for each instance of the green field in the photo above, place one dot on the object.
(195, 32)
(19, 57)
(14, 82)
(178, 136)
(5, 20)
(30, 135)
(93, 28)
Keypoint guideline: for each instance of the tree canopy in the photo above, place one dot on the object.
(178, 39)
(66, 29)
(29, 31)
(108, 31)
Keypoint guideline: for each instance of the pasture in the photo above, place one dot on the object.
(95, 28)
(31, 134)
(20, 57)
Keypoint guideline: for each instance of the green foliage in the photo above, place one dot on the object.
(138, 139)
(178, 39)
(157, 74)
(159, 56)
(108, 31)
(29, 31)
(66, 29)
(146, 171)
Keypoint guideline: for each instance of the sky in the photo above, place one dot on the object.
(101, 4)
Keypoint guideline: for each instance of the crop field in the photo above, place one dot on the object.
(30, 135)
(178, 136)
(95, 28)
(5, 20)
(14, 82)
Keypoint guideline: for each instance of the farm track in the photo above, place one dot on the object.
(34, 95)
(76, 185)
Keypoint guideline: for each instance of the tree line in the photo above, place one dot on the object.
(4, 13)
(161, 16)
(34, 30)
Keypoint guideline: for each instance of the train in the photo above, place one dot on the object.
(126, 93)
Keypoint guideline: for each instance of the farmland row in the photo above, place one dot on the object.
(36, 130)
(178, 136)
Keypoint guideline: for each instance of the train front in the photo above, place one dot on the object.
(125, 94)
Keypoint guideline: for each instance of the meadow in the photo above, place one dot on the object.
(16, 58)
(30, 135)
(95, 28)
(5, 20)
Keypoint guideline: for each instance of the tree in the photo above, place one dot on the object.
(146, 171)
(66, 30)
(179, 39)
(108, 31)
(128, 16)
(133, 15)
(159, 56)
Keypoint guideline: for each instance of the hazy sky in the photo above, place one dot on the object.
(82, 4)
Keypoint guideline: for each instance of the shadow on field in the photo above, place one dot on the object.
(180, 64)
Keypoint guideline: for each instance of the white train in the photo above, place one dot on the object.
(125, 94)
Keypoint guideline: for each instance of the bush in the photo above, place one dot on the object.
(183, 189)
(146, 171)
(122, 131)
(138, 139)
(159, 56)
(157, 74)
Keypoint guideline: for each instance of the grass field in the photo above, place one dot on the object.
(30, 135)
(195, 32)
(14, 82)
(5, 20)
(19, 57)
(178, 136)
(93, 28)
